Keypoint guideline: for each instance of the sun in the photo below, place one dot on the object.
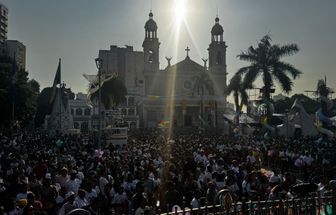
(180, 10)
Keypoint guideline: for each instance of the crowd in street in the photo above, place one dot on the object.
(54, 175)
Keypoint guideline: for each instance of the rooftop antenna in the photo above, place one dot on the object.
(151, 5)
(217, 9)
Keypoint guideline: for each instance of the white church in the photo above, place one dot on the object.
(177, 94)
(182, 95)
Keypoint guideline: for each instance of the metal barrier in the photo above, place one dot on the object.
(306, 206)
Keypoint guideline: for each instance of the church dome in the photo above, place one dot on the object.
(151, 24)
(217, 29)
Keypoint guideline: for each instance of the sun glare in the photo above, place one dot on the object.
(180, 10)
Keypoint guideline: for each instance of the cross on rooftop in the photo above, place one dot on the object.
(187, 50)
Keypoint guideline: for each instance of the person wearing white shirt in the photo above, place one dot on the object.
(73, 184)
(91, 192)
(80, 200)
(103, 181)
(250, 159)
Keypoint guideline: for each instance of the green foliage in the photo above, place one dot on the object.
(309, 104)
(238, 89)
(265, 63)
(26, 92)
(113, 92)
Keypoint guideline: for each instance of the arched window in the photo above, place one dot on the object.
(150, 56)
(79, 112)
(219, 58)
(87, 112)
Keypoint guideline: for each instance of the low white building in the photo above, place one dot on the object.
(85, 118)
(81, 113)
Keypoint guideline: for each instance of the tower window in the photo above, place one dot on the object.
(219, 58)
(150, 56)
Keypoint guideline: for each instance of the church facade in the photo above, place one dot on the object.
(185, 94)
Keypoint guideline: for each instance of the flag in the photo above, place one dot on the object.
(57, 80)
(13, 80)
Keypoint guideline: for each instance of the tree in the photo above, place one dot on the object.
(238, 89)
(309, 104)
(202, 82)
(265, 62)
(22, 91)
(113, 92)
(44, 107)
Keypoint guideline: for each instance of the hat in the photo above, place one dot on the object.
(22, 202)
(70, 193)
(48, 176)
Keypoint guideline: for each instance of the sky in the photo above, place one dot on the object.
(75, 30)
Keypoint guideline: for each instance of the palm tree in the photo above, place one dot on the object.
(113, 92)
(202, 82)
(238, 89)
(265, 62)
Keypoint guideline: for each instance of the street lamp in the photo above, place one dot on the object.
(99, 63)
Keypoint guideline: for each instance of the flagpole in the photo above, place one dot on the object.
(60, 95)
(13, 117)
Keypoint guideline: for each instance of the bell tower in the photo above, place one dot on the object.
(217, 49)
(217, 58)
(151, 46)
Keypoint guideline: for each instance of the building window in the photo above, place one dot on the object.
(131, 101)
(219, 58)
(133, 125)
(84, 127)
(72, 111)
(131, 112)
(150, 56)
(123, 111)
(87, 112)
(79, 112)
(76, 125)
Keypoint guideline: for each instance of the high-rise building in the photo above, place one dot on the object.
(3, 22)
(14, 47)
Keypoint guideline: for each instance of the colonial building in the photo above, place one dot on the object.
(185, 94)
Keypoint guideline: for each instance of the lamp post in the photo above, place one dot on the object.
(99, 63)
(287, 122)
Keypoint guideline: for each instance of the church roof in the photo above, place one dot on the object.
(151, 24)
(217, 29)
(186, 65)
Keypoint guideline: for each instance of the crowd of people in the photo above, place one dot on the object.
(155, 172)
